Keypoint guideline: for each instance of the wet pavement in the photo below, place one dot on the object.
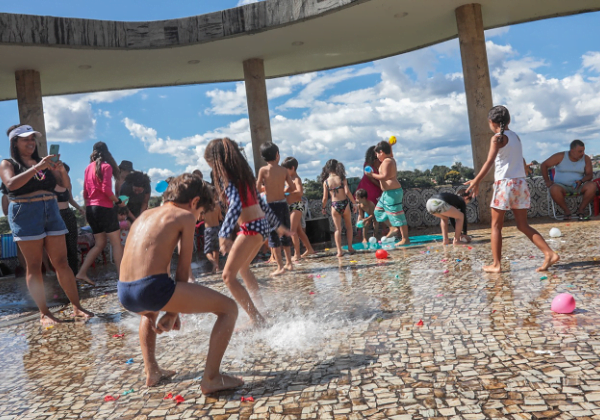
(423, 334)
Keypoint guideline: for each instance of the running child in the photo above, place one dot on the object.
(389, 207)
(236, 185)
(146, 288)
(274, 179)
(212, 225)
(366, 213)
(297, 209)
(453, 208)
(510, 188)
(335, 183)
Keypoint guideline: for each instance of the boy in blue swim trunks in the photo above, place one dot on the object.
(146, 288)
(389, 207)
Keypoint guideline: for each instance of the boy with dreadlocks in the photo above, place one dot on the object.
(510, 188)
(235, 185)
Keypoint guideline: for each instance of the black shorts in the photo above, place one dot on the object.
(211, 239)
(102, 219)
(282, 211)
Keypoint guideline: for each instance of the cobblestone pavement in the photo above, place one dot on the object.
(346, 342)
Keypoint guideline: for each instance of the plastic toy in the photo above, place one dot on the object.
(563, 304)
(360, 224)
(373, 240)
(368, 169)
(124, 199)
(392, 140)
(555, 233)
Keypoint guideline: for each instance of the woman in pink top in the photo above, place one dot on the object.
(367, 183)
(100, 211)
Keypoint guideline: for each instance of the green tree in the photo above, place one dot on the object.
(313, 190)
(453, 177)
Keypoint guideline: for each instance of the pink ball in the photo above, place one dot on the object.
(563, 304)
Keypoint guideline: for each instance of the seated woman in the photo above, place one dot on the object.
(453, 208)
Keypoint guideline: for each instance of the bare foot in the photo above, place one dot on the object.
(351, 250)
(219, 383)
(80, 312)
(48, 320)
(153, 378)
(492, 268)
(550, 260)
(404, 241)
(85, 279)
(289, 267)
(278, 272)
(340, 254)
(446, 242)
(295, 259)
(308, 252)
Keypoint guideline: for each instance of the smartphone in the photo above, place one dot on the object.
(54, 151)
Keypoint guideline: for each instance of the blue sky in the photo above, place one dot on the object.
(546, 72)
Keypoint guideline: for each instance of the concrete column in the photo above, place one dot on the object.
(29, 100)
(478, 90)
(258, 107)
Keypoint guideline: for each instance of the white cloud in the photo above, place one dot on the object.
(244, 2)
(423, 107)
(70, 119)
(159, 174)
(591, 60)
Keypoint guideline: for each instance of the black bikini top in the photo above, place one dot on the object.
(62, 196)
(42, 181)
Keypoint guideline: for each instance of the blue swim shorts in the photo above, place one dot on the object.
(151, 293)
(33, 220)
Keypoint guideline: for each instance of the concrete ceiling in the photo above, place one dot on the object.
(292, 36)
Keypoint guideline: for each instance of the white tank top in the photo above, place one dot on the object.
(509, 161)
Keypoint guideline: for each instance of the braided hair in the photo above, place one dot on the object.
(100, 154)
(500, 115)
(228, 161)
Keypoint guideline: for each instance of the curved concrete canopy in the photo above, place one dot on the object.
(292, 36)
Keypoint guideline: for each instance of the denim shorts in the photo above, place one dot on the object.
(30, 221)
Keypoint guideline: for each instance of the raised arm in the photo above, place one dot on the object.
(14, 182)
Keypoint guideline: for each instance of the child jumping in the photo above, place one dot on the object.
(366, 213)
(335, 183)
(236, 185)
(273, 178)
(212, 225)
(453, 208)
(510, 188)
(146, 288)
(389, 207)
(297, 208)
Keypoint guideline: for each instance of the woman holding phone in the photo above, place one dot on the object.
(34, 218)
(100, 211)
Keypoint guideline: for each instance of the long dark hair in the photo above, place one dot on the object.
(228, 162)
(333, 166)
(500, 115)
(101, 154)
(370, 156)
(14, 150)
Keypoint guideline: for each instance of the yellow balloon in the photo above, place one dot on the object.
(392, 140)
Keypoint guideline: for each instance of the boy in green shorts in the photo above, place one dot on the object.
(389, 207)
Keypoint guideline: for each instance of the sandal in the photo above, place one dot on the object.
(581, 217)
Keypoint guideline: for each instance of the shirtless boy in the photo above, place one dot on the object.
(366, 213)
(389, 206)
(274, 179)
(146, 288)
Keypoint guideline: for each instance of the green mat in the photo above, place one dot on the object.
(414, 240)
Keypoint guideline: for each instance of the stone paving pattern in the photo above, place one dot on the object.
(344, 344)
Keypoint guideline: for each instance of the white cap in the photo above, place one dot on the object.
(24, 131)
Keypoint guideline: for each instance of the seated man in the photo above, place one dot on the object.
(572, 174)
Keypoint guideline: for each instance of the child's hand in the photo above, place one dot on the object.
(225, 245)
(283, 231)
(473, 187)
(167, 322)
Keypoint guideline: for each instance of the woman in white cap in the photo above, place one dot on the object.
(34, 218)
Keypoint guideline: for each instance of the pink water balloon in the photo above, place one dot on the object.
(563, 304)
